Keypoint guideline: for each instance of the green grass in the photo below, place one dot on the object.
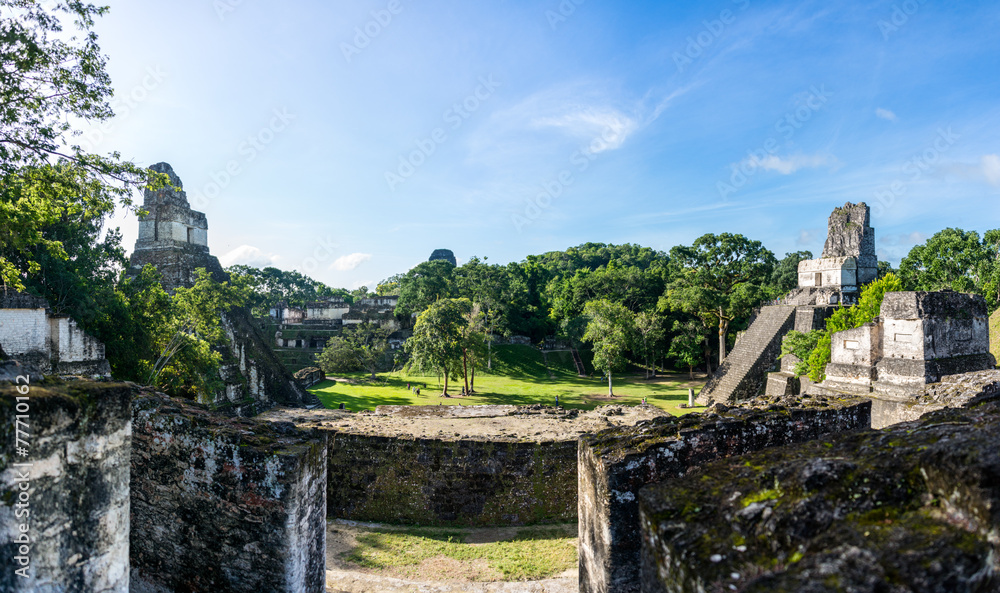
(532, 554)
(520, 376)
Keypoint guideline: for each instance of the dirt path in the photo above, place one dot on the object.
(442, 575)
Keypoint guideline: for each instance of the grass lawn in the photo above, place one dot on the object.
(528, 554)
(521, 375)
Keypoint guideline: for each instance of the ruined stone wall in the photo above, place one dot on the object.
(225, 504)
(28, 332)
(995, 335)
(616, 463)
(75, 507)
(910, 508)
(451, 481)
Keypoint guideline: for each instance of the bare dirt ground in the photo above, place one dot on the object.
(497, 423)
(438, 575)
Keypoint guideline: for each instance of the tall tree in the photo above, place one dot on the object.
(437, 341)
(688, 343)
(722, 277)
(649, 332)
(952, 259)
(611, 330)
(426, 283)
(50, 80)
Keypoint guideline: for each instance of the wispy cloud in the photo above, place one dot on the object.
(885, 114)
(791, 164)
(608, 124)
(346, 263)
(248, 255)
(987, 169)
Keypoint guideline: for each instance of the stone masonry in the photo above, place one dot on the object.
(64, 506)
(616, 463)
(225, 505)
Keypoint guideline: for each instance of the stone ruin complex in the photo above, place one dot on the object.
(135, 491)
(173, 238)
(311, 326)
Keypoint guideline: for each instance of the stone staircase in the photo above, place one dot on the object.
(581, 371)
(743, 374)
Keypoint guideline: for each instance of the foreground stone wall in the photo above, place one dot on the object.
(225, 504)
(458, 481)
(71, 495)
(912, 508)
(615, 464)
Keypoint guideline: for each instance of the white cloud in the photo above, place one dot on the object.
(346, 263)
(991, 169)
(607, 128)
(248, 255)
(787, 166)
(885, 114)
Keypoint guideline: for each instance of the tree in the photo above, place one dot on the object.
(688, 343)
(785, 277)
(426, 283)
(364, 347)
(869, 307)
(437, 341)
(722, 277)
(49, 80)
(473, 339)
(268, 286)
(649, 332)
(483, 285)
(951, 259)
(611, 330)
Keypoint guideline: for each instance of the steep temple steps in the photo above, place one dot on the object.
(743, 373)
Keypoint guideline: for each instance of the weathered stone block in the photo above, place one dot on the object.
(616, 464)
(71, 490)
(910, 508)
(781, 384)
(223, 504)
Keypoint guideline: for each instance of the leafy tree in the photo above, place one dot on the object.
(721, 277)
(800, 345)
(688, 343)
(338, 357)
(611, 330)
(951, 259)
(865, 311)
(50, 79)
(189, 360)
(473, 340)
(649, 332)
(364, 347)
(426, 283)
(785, 276)
(268, 286)
(438, 337)
(483, 284)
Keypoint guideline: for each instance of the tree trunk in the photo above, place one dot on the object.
(445, 392)
(708, 358)
(691, 371)
(472, 380)
(723, 326)
(489, 354)
(465, 369)
(610, 392)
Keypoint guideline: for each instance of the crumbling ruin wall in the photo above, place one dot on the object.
(616, 463)
(67, 499)
(995, 335)
(915, 507)
(224, 504)
(451, 481)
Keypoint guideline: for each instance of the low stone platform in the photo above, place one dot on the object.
(910, 508)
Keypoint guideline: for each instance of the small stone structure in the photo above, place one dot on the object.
(310, 376)
(457, 465)
(910, 508)
(70, 492)
(443, 254)
(31, 333)
(173, 238)
(616, 463)
(225, 505)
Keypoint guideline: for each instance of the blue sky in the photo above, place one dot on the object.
(349, 140)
